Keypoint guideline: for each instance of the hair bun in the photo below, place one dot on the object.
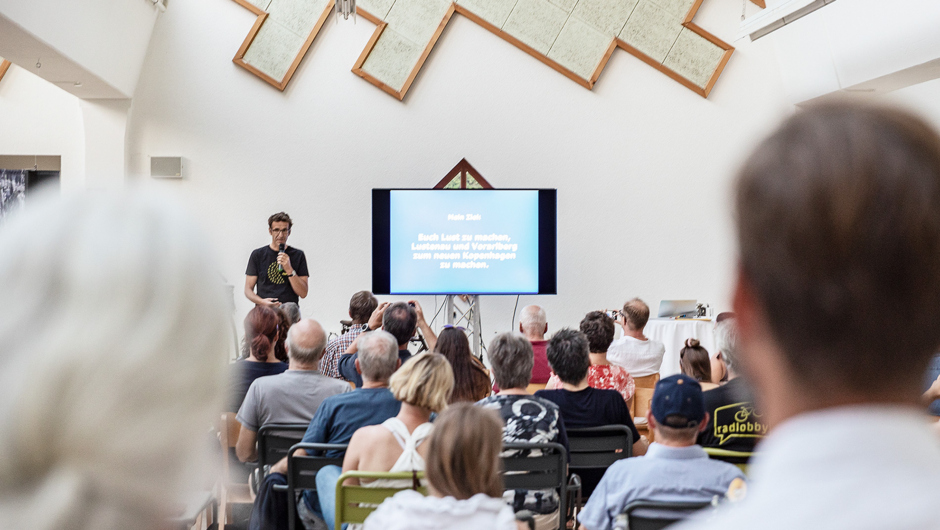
(691, 343)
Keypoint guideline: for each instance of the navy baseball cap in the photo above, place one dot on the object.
(678, 402)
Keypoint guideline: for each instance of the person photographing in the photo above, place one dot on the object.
(278, 271)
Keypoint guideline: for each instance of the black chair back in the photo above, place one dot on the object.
(594, 449)
(275, 440)
(302, 472)
(547, 470)
(676, 511)
(599, 447)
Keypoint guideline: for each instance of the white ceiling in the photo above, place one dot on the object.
(25, 50)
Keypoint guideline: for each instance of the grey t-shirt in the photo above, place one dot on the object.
(291, 397)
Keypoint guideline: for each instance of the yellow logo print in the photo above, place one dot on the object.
(275, 275)
(738, 419)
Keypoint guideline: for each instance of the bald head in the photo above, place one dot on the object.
(533, 323)
(306, 342)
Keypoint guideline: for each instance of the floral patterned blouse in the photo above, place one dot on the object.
(606, 376)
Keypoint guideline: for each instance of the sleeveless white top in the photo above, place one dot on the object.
(409, 460)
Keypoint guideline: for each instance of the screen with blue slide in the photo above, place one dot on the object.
(460, 241)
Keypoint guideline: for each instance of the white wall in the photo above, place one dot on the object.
(642, 164)
(107, 37)
(38, 118)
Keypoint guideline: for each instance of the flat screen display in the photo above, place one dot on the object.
(463, 241)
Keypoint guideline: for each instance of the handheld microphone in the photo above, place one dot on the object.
(280, 249)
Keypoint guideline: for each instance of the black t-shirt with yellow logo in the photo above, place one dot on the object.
(734, 424)
(273, 283)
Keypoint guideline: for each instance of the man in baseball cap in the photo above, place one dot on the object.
(674, 468)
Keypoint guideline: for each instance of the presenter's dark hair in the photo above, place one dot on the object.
(838, 220)
(261, 327)
(400, 320)
(599, 330)
(280, 217)
(361, 306)
(694, 361)
(568, 355)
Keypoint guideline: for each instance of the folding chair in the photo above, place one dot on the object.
(674, 512)
(275, 441)
(547, 470)
(594, 449)
(302, 472)
(355, 503)
(229, 492)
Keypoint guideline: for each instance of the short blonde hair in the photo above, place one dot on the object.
(425, 381)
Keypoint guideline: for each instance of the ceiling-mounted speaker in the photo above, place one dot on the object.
(166, 167)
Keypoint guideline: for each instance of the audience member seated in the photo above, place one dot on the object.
(401, 320)
(471, 382)
(528, 419)
(534, 325)
(361, 306)
(636, 353)
(283, 328)
(599, 330)
(291, 397)
(292, 310)
(674, 468)
(104, 401)
(423, 385)
(341, 415)
(732, 422)
(837, 297)
(695, 363)
(463, 474)
(261, 332)
(582, 405)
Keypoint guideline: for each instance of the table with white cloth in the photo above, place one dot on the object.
(672, 333)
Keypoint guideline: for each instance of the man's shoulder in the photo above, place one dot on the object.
(293, 250)
(328, 382)
(359, 396)
(259, 251)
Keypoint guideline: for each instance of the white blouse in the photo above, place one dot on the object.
(409, 510)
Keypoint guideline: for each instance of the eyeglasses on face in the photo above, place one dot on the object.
(280, 230)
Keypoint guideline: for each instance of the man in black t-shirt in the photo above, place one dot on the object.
(733, 422)
(582, 406)
(281, 276)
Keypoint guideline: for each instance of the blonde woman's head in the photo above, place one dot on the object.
(425, 381)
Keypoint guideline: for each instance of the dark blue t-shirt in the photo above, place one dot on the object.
(347, 366)
(242, 374)
(341, 415)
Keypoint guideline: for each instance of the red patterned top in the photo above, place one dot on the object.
(605, 376)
